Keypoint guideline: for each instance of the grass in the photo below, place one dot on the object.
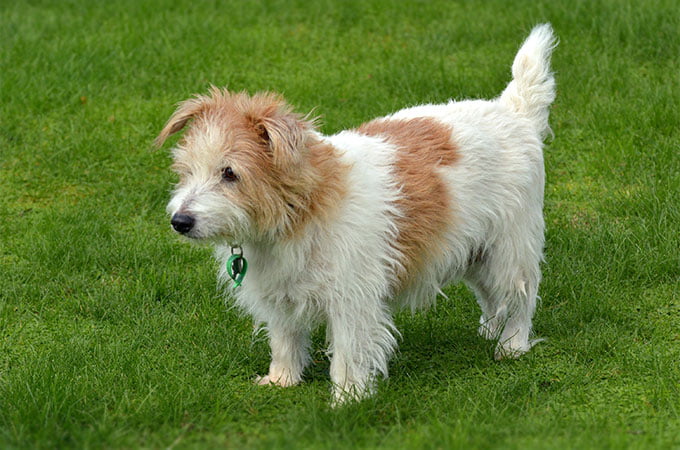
(113, 332)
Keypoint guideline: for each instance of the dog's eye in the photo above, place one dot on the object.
(228, 174)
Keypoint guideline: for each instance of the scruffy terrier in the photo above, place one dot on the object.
(347, 228)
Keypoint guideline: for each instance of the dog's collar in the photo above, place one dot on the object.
(237, 265)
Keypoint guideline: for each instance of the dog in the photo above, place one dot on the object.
(348, 228)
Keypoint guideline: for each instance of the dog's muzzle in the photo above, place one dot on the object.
(182, 223)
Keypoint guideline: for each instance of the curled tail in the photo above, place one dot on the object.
(532, 89)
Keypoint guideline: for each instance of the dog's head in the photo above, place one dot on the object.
(243, 164)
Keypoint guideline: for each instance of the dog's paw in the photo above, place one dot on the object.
(511, 350)
(269, 380)
(350, 393)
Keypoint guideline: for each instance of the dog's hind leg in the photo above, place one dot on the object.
(516, 306)
(492, 319)
(506, 285)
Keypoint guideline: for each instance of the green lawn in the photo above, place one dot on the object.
(113, 332)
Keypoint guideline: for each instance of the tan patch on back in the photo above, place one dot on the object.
(423, 144)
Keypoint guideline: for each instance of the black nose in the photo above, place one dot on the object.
(182, 223)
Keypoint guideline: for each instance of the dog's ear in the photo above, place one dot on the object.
(286, 136)
(284, 132)
(186, 110)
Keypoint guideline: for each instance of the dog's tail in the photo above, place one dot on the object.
(532, 89)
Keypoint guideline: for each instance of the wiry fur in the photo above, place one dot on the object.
(346, 228)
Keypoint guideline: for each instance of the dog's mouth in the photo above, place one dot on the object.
(187, 226)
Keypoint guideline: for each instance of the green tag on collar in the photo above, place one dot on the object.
(237, 266)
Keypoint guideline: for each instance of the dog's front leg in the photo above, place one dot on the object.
(361, 343)
(290, 354)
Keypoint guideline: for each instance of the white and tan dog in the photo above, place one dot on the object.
(349, 227)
